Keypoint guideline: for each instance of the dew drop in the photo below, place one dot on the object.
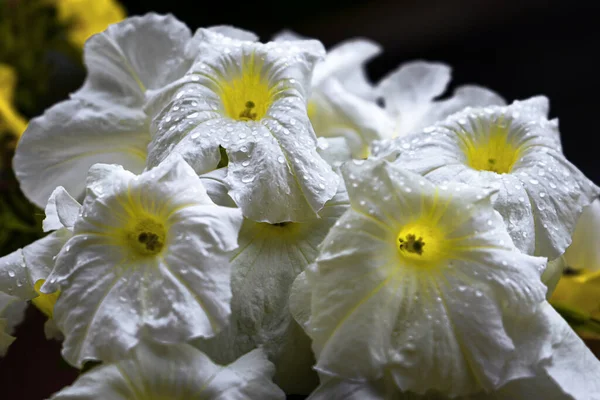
(280, 160)
(247, 178)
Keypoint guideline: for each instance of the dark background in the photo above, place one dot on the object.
(517, 48)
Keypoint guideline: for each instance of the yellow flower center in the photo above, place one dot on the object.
(45, 302)
(145, 236)
(248, 96)
(493, 150)
(422, 242)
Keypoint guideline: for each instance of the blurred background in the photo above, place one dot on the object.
(518, 48)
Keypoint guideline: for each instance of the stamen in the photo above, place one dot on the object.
(412, 244)
(151, 240)
(247, 113)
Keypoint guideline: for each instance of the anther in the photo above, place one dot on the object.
(247, 113)
(412, 244)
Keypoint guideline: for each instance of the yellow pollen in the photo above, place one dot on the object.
(422, 243)
(248, 96)
(45, 302)
(146, 236)
(493, 151)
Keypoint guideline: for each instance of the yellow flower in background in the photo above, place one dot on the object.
(10, 119)
(577, 297)
(88, 17)
(577, 293)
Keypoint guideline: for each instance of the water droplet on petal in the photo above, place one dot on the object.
(247, 178)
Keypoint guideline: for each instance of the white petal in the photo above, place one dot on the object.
(584, 252)
(300, 295)
(335, 150)
(413, 86)
(574, 367)
(345, 63)
(234, 32)
(194, 46)
(274, 171)
(463, 96)
(267, 262)
(287, 35)
(61, 210)
(179, 292)
(179, 373)
(334, 111)
(21, 269)
(217, 188)
(553, 273)
(12, 312)
(132, 56)
(443, 329)
(58, 148)
(409, 94)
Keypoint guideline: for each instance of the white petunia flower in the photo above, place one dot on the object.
(104, 121)
(12, 311)
(263, 268)
(516, 151)
(409, 94)
(149, 254)
(24, 271)
(179, 372)
(249, 98)
(425, 283)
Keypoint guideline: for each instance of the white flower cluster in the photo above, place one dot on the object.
(198, 221)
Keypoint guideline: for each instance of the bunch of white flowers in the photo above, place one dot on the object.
(239, 220)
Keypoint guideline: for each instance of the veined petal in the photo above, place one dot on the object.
(409, 95)
(133, 56)
(154, 247)
(264, 267)
(61, 210)
(423, 281)
(249, 98)
(59, 147)
(514, 150)
(178, 372)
